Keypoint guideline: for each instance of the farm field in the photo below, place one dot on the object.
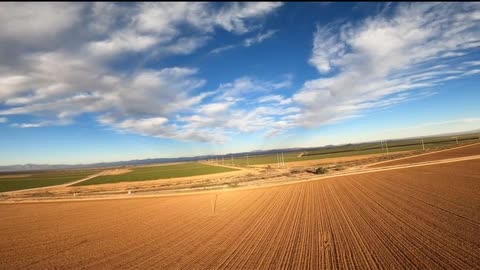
(293, 157)
(394, 146)
(453, 153)
(157, 172)
(25, 180)
(411, 218)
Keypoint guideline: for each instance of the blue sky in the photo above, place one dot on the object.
(93, 82)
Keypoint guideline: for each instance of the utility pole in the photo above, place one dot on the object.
(278, 162)
(232, 159)
(283, 160)
(381, 145)
(423, 145)
(386, 146)
(456, 138)
(248, 163)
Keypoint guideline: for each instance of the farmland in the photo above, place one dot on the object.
(410, 218)
(158, 172)
(430, 143)
(451, 153)
(16, 181)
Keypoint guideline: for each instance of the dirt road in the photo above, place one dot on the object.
(50, 187)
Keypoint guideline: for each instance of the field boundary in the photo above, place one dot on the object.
(189, 193)
(424, 154)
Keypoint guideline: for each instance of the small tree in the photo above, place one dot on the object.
(321, 170)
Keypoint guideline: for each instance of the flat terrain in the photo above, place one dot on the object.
(17, 181)
(469, 150)
(360, 149)
(271, 159)
(411, 218)
(157, 172)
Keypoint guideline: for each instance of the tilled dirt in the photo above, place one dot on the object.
(412, 218)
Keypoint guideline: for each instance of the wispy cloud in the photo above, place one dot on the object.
(3, 120)
(223, 48)
(225, 112)
(258, 38)
(374, 62)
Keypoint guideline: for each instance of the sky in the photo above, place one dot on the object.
(99, 82)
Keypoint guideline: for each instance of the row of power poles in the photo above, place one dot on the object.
(384, 144)
(217, 160)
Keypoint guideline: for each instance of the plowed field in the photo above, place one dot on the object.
(469, 150)
(412, 218)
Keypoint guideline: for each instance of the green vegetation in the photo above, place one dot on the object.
(158, 172)
(352, 150)
(26, 180)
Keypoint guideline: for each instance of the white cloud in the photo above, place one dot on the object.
(232, 17)
(259, 38)
(248, 42)
(372, 64)
(196, 118)
(61, 62)
(275, 98)
(3, 120)
(327, 47)
(161, 24)
(231, 109)
(473, 63)
(223, 48)
(244, 87)
(214, 108)
(122, 41)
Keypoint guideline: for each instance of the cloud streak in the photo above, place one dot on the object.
(383, 59)
(248, 42)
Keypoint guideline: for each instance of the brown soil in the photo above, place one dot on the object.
(412, 218)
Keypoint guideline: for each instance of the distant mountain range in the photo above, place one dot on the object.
(42, 167)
